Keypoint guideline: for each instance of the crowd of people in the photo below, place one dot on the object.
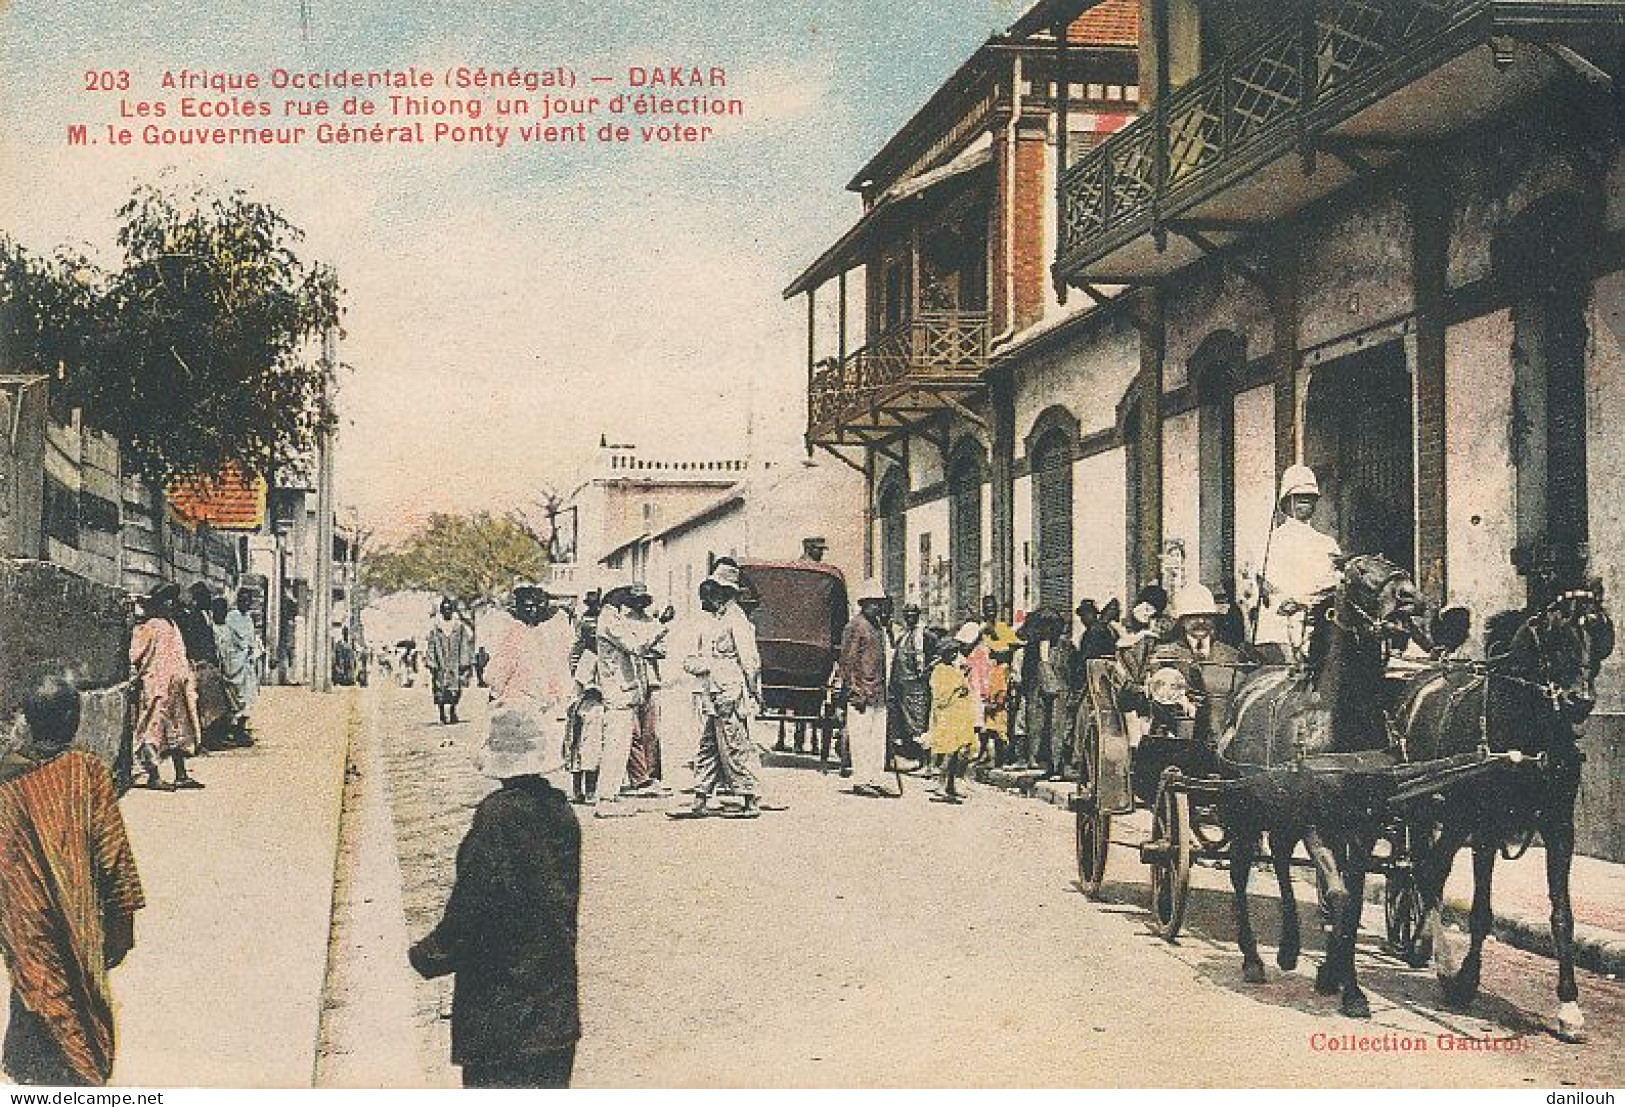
(935, 700)
(70, 890)
(195, 661)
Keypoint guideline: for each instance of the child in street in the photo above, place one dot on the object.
(953, 717)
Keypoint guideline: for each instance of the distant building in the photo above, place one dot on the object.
(632, 494)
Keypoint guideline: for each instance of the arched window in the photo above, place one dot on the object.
(889, 506)
(1050, 449)
(965, 474)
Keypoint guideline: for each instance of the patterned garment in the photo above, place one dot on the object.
(68, 893)
(168, 719)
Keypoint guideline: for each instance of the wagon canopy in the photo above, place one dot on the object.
(800, 620)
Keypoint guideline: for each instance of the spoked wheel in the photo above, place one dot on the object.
(1403, 912)
(1094, 828)
(1169, 855)
(1094, 836)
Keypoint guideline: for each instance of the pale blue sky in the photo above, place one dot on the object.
(507, 307)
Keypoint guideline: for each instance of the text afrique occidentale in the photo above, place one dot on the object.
(414, 97)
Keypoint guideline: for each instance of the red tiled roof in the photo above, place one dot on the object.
(227, 502)
(1113, 23)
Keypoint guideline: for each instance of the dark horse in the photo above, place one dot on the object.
(1287, 739)
(1536, 688)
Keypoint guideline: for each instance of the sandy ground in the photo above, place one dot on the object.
(853, 941)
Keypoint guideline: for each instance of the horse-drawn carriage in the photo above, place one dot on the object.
(802, 612)
(1336, 754)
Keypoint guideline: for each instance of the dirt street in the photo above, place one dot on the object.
(856, 941)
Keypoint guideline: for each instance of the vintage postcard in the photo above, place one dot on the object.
(749, 544)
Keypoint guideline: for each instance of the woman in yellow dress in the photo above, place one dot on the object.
(953, 716)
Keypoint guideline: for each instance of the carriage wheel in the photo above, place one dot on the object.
(1094, 837)
(1403, 911)
(1094, 829)
(1171, 865)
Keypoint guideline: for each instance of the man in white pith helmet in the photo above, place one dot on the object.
(1297, 568)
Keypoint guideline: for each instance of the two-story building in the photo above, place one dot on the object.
(947, 403)
(1385, 239)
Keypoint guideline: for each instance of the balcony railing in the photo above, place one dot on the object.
(935, 348)
(1251, 107)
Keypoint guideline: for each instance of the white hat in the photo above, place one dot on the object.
(871, 589)
(513, 747)
(1194, 599)
(1298, 480)
(725, 575)
(969, 634)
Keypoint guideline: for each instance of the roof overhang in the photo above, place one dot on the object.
(848, 251)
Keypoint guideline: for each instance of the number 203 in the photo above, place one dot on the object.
(107, 80)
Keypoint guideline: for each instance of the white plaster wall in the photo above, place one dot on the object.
(1355, 271)
(1181, 486)
(1254, 474)
(1024, 583)
(1099, 512)
(927, 582)
(925, 464)
(1219, 300)
(678, 564)
(1605, 417)
(1087, 377)
(1481, 525)
(987, 539)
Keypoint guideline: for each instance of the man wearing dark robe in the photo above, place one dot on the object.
(68, 897)
(910, 685)
(509, 929)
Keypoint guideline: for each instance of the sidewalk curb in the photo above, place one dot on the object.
(1595, 948)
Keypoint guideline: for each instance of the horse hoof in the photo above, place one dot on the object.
(1326, 982)
(1286, 959)
(1571, 1023)
(1253, 972)
(1458, 992)
(1355, 1006)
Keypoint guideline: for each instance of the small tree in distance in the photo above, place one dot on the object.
(473, 559)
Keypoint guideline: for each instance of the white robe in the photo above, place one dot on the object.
(1300, 568)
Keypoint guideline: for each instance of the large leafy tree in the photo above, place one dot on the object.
(201, 351)
(473, 559)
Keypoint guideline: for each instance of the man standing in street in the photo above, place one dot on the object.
(728, 667)
(450, 656)
(1297, 568)
(813, 549)
(862, 667)
(509, 928)
(68, 897)
(625, 647)
(643, 768)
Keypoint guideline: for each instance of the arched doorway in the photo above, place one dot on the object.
(965, 476)
(1052, 456)
(1358, 426)
(890, 506)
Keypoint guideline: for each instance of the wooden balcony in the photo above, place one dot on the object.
(931, 362)
(1347, 85)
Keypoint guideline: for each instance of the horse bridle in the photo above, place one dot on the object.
(1373, 624)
